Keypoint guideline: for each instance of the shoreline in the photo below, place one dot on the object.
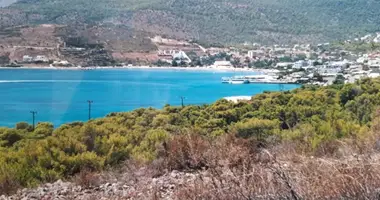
(212, 69)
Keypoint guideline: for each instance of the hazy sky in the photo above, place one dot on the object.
(4, 3)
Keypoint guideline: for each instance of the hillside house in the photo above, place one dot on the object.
(182, 56)
(256, 53)
(284, 65)
(300, 64)
(222, 64)
(27, 59)
(41, 58)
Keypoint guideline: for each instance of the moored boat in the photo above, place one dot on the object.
(238, 81)
(235, 80)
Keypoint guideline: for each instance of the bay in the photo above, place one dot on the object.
(60, 96)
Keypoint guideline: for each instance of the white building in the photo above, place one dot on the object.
(300, 64)
(255, 53)
(41, 58)
(377, 38)
(284, 64)
(236, 99)
(362, 59)
(373, 75)
(375, 61)
(222, 64)
(27, 58)
(338, 64)
(61, 63)
(182, 57)
(168, 52)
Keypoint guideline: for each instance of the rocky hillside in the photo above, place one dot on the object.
(221, 21)
(102, 45)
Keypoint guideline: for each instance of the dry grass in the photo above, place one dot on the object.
(232, 168)
(235, 168)
(8, 186)
(87, 179)
(186, 152)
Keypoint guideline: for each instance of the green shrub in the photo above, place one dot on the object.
(259, 128)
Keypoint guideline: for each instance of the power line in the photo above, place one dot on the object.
(34, 117)
(89, 108)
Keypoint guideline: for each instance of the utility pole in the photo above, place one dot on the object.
(182, 98)
(89, 108)
(281, 87)
(34, 117)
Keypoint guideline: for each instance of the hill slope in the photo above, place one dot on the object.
(218, 20)
(312, 142)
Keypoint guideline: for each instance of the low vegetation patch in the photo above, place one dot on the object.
(328, 123)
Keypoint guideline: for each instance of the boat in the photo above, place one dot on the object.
(226, 80)
(238, 81)
(13, 65)
(269, 79)
(263, 79)
(235, 80)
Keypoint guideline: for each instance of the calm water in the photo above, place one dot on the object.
(61, 96)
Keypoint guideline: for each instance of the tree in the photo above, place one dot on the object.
(183, 63)
(349, 92)
(259, 128)
(24, 126)
(174, 63)
(286, 59)
(43, 129)
(300, 57)
(161, 63)
(318, 77)
(9, 137)
(236, 62)
(88, 137)
(339, 79)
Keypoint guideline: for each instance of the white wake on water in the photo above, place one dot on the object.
(44, 81)
(87, 81)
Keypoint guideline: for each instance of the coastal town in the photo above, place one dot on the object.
(318, 64)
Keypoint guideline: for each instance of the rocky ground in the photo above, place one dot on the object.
(261, 177)
(125, 186)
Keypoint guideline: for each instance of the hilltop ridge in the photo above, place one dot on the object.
(221, 21)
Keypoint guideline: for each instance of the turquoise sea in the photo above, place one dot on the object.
(61, 96)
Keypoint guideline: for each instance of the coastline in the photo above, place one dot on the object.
(212, 69)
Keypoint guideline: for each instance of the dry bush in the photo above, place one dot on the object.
(237, 169)
(87, 179)
(186, 152)
(338, 179)
(329, 148)
(8, 185)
